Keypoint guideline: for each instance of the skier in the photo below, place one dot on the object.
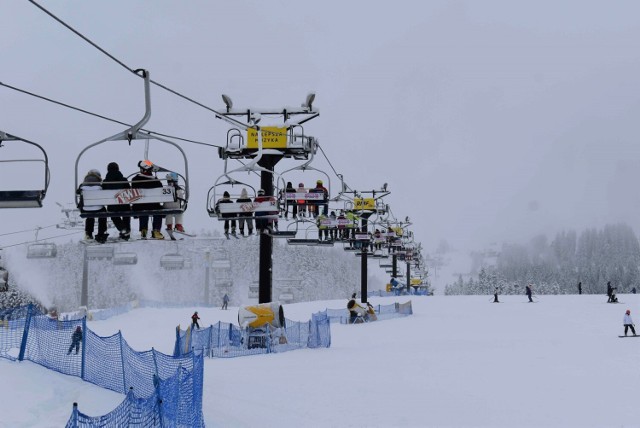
(76, 338)
(93, 181)
(628, 323)
(194, 320)
(226, 199)
(225, 301)
(580, 288)
(115, 180)
(495, 295)
(172, 180)
(146, 180)
(244, 198)
(529, 292)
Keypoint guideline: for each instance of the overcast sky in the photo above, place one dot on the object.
(490, 121)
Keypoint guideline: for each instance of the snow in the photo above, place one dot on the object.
(458, 361)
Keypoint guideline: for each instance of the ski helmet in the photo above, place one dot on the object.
(94, 172)
(628, 312)
(145, 165)
(260, 192)
(172, 176)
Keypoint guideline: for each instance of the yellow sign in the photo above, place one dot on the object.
(273, 137)
(416, 281)
(398, 230)
(364, 204)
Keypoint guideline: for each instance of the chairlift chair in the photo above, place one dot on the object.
(42, 250)
(125, 258)
(123, 202)
(310, 242)
(24, 198)
(172, 261)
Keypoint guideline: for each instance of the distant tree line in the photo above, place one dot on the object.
(556, 267)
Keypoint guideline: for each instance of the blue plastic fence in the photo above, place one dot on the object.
(224, 340)
(161, 390)
(383, 312)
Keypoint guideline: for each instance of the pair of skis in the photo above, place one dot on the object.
(171, 232)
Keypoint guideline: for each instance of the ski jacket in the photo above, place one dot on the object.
(76, 336)
(145, 181)
(627, 320)
(91, 182)
(115, 180)
(195, 318)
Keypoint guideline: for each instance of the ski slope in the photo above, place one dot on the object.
(459, 361)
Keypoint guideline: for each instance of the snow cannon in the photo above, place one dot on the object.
(259, 315)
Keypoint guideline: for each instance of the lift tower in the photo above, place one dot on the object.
(266, 146)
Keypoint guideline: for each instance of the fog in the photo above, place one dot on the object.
(491, 121)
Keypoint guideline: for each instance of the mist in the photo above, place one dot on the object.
(491, 121)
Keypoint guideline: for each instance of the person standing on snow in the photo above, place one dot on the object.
(495, 295)
(580, 288)
(628, 323)
(529, 292)
(225, 301)
(609, 291)
(194, 320)
(76, 338)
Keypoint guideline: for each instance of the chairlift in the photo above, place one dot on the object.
(125, 258)
(311, 242)
(126, 201)
(41, 250)
(24, 198)
(172, 261)
(99, 252)
(305, 195)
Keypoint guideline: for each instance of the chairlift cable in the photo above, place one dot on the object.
(27, 230)
(34, 241)
(101, 116)
(131, 70)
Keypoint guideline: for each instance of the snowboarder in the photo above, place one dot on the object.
(609, 291)
(495, 295)
(225, 301)
(628, 323)
(76, 338)
(194, 320)
(580, 288)
(529, 292)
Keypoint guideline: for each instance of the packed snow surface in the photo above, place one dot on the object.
(458, 361)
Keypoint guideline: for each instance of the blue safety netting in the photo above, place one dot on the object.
(383, 312)
(224, 340)
(161, 390)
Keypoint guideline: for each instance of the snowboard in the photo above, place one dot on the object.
(637, 335)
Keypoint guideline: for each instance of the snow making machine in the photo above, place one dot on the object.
(262, 322)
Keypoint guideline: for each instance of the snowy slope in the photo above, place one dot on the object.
(457, 362)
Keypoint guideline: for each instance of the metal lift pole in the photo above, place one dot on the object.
(363, 262)
(207, 288)
(84, 294)
(265, 286)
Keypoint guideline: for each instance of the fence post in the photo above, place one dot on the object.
(25, 333)
(124, 378)
(176, 349)
(84, 346)
(131, 400)
(74, 416)
(155, 363)
(209, 344)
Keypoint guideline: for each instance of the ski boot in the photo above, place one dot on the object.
(179, 228)
(101, 237)
(156, 234)
(143, 233)
(88, 237)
